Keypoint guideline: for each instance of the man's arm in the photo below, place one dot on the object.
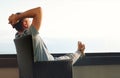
(34, 13)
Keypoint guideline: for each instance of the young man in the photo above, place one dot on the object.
(21, 22)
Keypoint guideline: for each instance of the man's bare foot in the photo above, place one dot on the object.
(81, 47)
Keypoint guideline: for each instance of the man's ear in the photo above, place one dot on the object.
(24, 23)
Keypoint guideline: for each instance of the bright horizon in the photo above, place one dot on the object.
(94, 22)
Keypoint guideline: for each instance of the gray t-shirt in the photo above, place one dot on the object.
(40, 50)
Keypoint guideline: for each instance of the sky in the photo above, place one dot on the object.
(94, 22)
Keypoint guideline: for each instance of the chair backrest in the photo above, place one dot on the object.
(43, 69)
(24, 56)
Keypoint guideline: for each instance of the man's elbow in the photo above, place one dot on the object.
(39, 9)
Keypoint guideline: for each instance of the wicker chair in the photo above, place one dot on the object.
(43, 69)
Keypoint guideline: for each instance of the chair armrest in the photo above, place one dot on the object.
(53, 69)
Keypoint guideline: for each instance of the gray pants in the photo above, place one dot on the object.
(73, 56)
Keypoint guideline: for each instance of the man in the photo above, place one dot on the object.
(21, 22)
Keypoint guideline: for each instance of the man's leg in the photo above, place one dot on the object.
(73, 56)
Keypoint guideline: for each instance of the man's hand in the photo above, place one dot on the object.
(12, 19)
(81, 47)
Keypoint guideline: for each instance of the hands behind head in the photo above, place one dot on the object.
(81, 47)
(12, 19)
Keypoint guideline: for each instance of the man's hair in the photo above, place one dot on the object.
(18, 26)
